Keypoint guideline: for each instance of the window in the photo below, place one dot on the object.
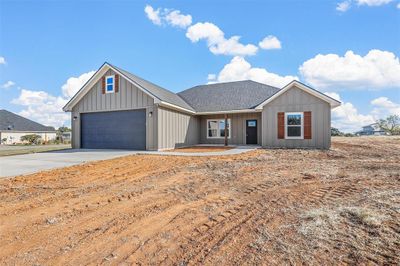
(294, 125)
(109, 84)
(216, 128)
(251, 123)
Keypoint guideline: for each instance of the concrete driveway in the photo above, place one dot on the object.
(31, 163)
(35, 162)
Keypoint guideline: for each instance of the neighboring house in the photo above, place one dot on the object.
(66, 136)
(372, 129)
(13, 127)
(116, 109)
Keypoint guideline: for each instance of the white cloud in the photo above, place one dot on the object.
(343, 6)
(384, 107)
(42, 107)
(8, 84)
(153, 15)
(211, 33)
(175, 18)
(333, 95)
(46, 108)
(270, 42)
(2, 60)
(373, 2)
(211, 77)
(73, 84)
(216, 41)
(169, 16)
(376, 70)
(240, 69)
(398, 6)
(346, 117)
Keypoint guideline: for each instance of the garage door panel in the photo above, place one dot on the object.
(114, 130)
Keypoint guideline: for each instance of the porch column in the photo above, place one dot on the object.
(226, 129)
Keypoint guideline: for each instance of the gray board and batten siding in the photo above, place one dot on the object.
(129, 97)
(296, 100)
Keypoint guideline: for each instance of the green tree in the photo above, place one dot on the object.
(336, 132)
(63, 129)
(390, 125)
(31, 138)
(60, 132)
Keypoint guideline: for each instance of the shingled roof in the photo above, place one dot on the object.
(237, 95)
(13, 122)
(155, 90)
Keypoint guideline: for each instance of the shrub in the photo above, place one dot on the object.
(31, 138)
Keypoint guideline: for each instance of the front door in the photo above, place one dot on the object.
(251, 131)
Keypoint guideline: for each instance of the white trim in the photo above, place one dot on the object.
(334, 103)
(230, 112)
(301, 125)
(218, 120)
(173, 106)
(113, 84)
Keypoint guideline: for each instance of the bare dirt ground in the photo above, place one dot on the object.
(202, 149)
(314, 207)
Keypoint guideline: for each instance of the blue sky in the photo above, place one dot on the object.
(348, 49)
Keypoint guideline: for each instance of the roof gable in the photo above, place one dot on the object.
(13, 122)
(159, 94)
(333, 103)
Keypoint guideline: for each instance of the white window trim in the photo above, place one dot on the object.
(113, 84)
(218, 121)
(301, 126)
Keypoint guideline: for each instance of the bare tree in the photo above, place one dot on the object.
(391, 124)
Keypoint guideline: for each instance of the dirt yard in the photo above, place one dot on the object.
(340, 206)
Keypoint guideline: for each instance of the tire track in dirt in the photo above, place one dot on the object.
(329, 194)
(208, 236)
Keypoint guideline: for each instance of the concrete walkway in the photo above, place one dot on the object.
(31, 163)
(235, 150)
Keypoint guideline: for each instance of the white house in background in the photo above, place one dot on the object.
(13, 127)
(372, 129)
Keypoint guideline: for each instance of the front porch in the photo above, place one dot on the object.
(243, 129)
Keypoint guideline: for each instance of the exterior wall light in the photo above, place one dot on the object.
(150, 114)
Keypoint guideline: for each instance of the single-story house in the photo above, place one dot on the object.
(65, 136)
(119, 110)
(372, 129)
(13, 127)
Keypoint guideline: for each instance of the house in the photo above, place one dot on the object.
(13, 127)
(372, 129)
(118, 110)
(65, 136)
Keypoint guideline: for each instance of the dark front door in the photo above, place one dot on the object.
(114, 130)
(251, 131)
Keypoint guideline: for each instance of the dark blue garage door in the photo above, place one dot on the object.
(114, 130)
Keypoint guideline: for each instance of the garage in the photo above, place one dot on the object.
(114, 130)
